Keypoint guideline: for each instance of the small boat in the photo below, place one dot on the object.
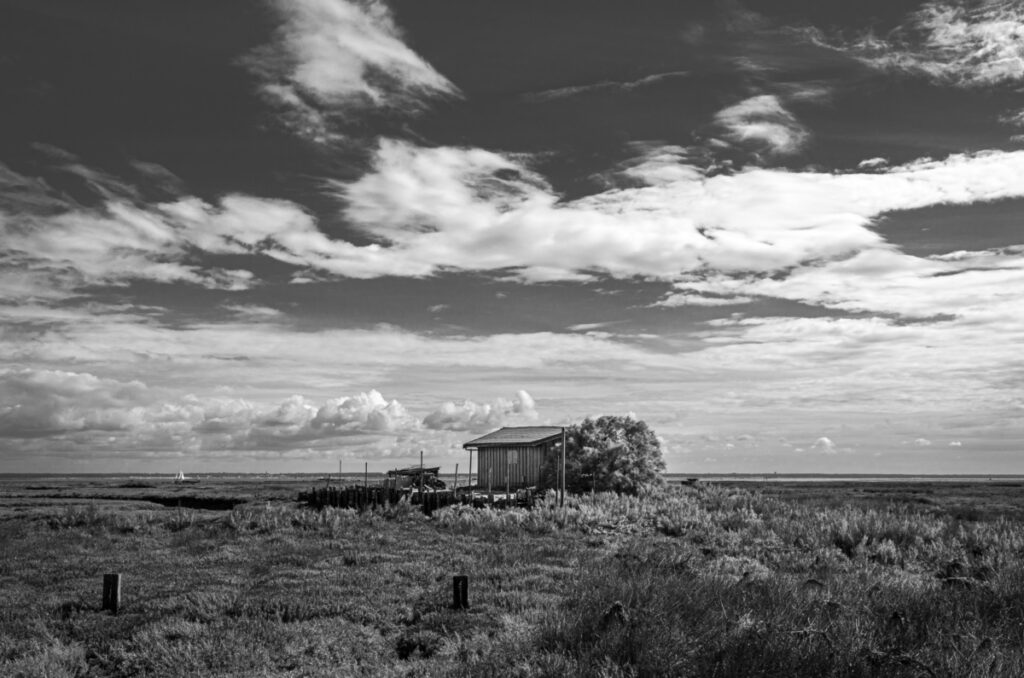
(180, 479)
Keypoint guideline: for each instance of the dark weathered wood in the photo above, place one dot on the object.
(111, 592)
(460, 592)
(561, 500)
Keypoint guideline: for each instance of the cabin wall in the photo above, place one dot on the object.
(523, 465)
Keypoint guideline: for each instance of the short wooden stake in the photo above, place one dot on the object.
(460, 592)
(111, 592)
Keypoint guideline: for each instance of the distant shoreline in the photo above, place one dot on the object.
(670, 477)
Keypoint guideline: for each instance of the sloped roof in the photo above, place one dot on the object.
(517, 435)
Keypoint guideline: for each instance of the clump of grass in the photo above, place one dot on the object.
(650, 619)
(50, 659)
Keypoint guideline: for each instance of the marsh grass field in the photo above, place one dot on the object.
(893, 578)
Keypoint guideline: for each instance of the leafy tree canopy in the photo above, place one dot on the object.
(616, 453)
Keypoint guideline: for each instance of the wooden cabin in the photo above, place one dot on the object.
(518, 452)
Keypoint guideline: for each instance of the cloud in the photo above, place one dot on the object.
(968, 44)
(365, 412)
(689, 299)
(824, 445)
(1016, 119)
(922, 442)
(478, 417)
(604, 86)
(335, 56)
(762, 121)
(253, 312)
(955, 443)
(969, 285)
(36, 403)
(872, 164)
(431, 209)
(47, 255)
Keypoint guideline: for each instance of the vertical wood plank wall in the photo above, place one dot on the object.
(525, 470)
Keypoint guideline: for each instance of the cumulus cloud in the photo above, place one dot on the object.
(922, 442)
(336, 55)
(824, 445)
(46, 402)
(364, 412)
(763, 122)
(966, 44)
(467, 415)
(37, 403)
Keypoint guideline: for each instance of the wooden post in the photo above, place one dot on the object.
(460, 592)
(508, 470)
(490, 492)
(456, 488)
(421, 473)
(561, 502)
(111, 592)
(366, 474)
(339, 473)
(470, 474)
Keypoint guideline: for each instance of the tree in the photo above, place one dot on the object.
(616, 453)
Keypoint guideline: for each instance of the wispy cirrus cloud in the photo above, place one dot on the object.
(604, 86)
(56, 254)
(966, 44)
(333, 56)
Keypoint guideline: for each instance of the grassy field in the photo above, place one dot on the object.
(800, 579)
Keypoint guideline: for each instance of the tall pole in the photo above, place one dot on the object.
(561, 501)
(469, 476)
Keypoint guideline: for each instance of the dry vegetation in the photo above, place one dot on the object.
(705, 581)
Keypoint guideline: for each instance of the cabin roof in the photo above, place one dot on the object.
(517, 435)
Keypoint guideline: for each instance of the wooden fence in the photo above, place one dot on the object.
(363, 498)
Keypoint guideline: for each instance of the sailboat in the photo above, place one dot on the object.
(181, 479)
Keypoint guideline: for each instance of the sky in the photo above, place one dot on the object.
(269, 235)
